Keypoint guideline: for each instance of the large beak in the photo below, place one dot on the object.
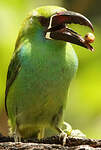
(58, 29)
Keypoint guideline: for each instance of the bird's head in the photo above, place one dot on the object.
(55, 20)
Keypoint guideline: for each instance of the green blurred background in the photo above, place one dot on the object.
(84, 101)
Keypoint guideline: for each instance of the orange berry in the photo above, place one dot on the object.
(89, 37)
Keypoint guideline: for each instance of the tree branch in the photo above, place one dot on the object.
(50, 143)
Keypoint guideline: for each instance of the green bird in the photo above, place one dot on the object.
(41, 69)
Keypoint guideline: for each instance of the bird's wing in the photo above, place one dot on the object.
(13, 71)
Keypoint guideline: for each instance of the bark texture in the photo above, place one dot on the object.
(51, 143)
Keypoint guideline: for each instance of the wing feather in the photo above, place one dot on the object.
(13, 71)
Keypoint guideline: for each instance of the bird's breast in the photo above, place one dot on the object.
(48, 68)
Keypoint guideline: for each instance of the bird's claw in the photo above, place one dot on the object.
(67, 128)
(72, 133)
(63, 137)
(69, 132)
(66, 132)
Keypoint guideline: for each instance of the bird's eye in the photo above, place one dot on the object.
(44, 21)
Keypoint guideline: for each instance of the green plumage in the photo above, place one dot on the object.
(38, 78)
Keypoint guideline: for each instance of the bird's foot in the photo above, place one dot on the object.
(73, 133)
(63, 136)
(17, 138)
(69, 132)
(16, 135)
(66, 132)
